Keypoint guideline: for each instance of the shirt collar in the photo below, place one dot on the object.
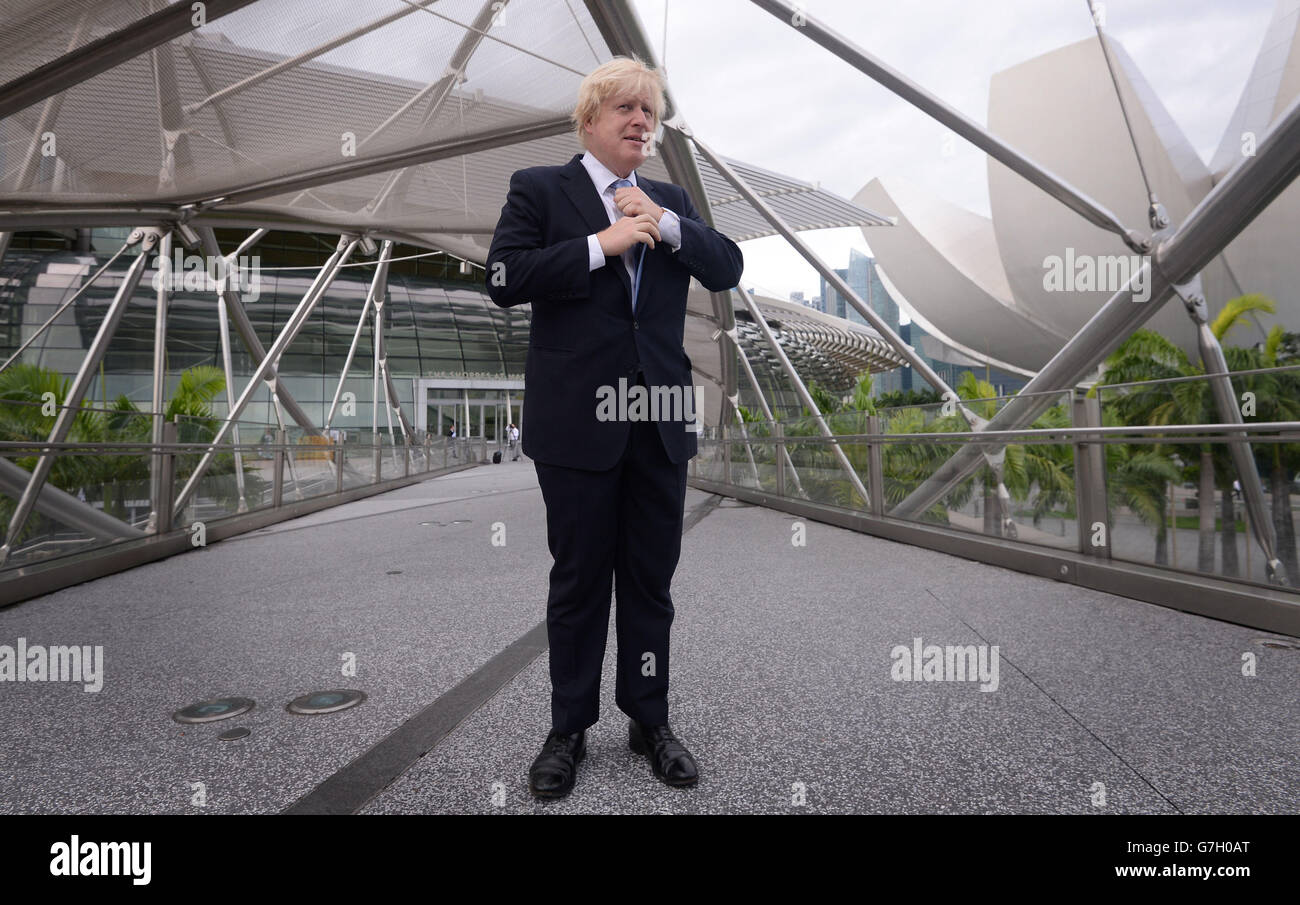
(601, 175)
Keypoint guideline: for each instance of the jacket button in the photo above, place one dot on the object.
(636, 325)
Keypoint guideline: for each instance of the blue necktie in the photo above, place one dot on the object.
(636, 282)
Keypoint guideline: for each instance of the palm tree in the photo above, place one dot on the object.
(27, 416)
(1136, 478)
(818, 466)
(32, 398)
(1047, 469)
(1277, 398)
(907, 465)
(1149, 356)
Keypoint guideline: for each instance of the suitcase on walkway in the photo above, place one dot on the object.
(496, 457)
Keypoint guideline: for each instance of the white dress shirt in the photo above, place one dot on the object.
(670, 227)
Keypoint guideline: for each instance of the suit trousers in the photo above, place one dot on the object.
(621, 526)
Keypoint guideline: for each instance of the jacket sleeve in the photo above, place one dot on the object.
(711, 257)
(519, 268)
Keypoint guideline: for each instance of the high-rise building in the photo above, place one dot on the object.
(863, 278)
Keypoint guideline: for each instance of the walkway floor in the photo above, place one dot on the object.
(781, 677)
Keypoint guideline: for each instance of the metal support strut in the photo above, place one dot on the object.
(148, 238)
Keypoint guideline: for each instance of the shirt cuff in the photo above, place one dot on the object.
(595, 254)
(670, 229)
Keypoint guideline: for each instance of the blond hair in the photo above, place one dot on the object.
(619, 75)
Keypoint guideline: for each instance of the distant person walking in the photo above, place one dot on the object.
(514, 442)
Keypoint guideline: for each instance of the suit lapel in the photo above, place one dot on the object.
(578, 186)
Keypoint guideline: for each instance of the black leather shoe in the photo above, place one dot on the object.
(669, 759)
(553, 772)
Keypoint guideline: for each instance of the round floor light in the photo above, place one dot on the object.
(213, 710)
(326, 701)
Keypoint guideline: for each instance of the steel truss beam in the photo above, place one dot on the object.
(1208, 344)
(499, 136)
(733, 335)
(413, 6)
(1230, 206)
(49, 114)
(100, 55)
(828, 273)
(244, 327)
(802, 390)
(440, 90)
(223, 325)
(157, 465)
(994, 459)
(352, 351)
(64, 306)
(62, 506)
(378, 290)
(958, 122)
(1211, 352)
(295, 323)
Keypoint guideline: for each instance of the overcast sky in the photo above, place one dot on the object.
(755, 89)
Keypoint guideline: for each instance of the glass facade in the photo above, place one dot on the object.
(433, 328)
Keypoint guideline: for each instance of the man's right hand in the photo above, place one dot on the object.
(626, 232)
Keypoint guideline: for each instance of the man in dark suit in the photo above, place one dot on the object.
(605, 257)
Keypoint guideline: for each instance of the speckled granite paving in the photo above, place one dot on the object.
(781, 676)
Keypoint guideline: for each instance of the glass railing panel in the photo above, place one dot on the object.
(218, 491)
(1182, 504)
(108, 483)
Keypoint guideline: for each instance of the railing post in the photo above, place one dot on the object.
(875, 468)
(338, 466)
(1245, 512)
(428, 448)
(277, 469)
(1090, 481)
(725, 431)
(406, 460)
(166, 485)
(378, 456)
(778, 447)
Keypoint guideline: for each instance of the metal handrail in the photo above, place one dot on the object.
(37, 446)
(1120, 434)
(1163, 380)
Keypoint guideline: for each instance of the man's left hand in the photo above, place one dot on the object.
(632, 201)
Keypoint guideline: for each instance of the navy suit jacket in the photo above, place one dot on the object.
(584, 335)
